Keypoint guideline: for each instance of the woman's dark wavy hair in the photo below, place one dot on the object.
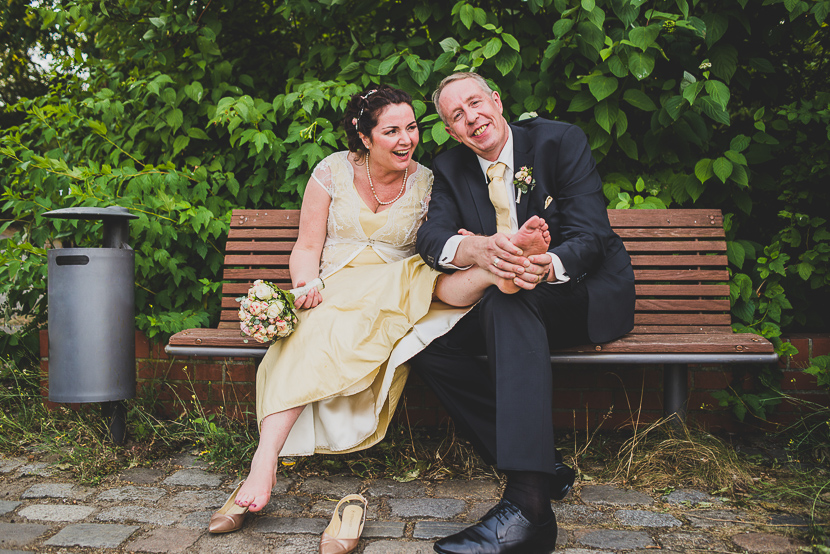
(371, 101)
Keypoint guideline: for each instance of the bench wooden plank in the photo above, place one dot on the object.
(668, 233)
(666, 218)
(675, 246)
(678, 260)
(682, 290)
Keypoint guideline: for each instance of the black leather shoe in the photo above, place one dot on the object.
(502, 530)
(561, 483)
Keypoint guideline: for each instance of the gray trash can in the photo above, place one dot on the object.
(91, 298)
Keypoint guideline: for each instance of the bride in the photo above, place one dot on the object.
(333, 385)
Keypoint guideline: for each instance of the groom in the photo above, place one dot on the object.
(580, 291)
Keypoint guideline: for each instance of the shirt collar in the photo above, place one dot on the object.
(505, 156)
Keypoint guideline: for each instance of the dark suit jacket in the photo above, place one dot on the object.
(581, 235)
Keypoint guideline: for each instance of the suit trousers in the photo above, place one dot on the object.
(504, 405)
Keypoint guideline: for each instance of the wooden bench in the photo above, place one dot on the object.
(682, 309)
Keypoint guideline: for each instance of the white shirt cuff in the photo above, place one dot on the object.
(448, 253)
(559, 272)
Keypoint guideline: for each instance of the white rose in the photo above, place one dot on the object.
(262, 291)
(274, 310)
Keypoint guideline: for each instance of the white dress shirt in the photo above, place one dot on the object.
(505, 157)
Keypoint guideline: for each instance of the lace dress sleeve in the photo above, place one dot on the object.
(322, 176)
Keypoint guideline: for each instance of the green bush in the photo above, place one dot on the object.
(181, 112)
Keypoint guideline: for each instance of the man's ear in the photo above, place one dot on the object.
(497, 101)
(450, 132)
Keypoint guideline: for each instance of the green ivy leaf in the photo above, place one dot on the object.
(735, 253)
(704, 170)
(467, 14)
(582, 101)
(511, 41)
(605, 113)
(716, 26)
(722, 168)
(602, 87)
(641, 64)
(719, 92)
(739, 143)
(439, 132)
(561, 27)
(639, 99)
(492, 48)
(643, 37)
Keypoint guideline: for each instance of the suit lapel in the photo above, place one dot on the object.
(522, 157)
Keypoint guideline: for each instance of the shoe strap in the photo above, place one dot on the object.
(351, 498)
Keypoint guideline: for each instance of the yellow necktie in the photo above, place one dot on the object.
(498, 196)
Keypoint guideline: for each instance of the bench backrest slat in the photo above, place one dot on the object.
(679, 259)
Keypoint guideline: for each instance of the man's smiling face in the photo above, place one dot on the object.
(474, 117)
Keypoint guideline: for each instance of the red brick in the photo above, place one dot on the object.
(567, 400)
(178, 372)
(146, 370)
(803, 345)
(241, 373)
(599, 400)
(821, 345)
(236, 394)
(207, 372)
(798, 380)
(142, 345)
(43, 335)
(711, 379)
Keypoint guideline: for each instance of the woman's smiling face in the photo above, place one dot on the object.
(394, 138)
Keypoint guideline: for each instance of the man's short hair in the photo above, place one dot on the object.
(451, 79)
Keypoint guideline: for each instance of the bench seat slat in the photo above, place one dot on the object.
(265, 218)
(260, 233)
(682, 290)
(675, 246)
(252, 274)
(685, 319)
(681, 305)
(666, 218)
(680, 260)
(256, 260)
(271, 247)
(680, 329)
(669, 233)
(681, 275)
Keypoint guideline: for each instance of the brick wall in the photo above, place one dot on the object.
(585, 396)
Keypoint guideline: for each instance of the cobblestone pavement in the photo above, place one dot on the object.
(167, 510)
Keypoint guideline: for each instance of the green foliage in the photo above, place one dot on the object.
(182, 112)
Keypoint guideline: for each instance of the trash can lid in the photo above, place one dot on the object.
(110, 212)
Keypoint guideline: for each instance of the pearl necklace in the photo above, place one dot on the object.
(372, 187)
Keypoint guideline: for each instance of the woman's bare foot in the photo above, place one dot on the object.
(532, 238)
(257, 488)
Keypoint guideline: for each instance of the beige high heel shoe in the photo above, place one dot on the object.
(341, 537)
(229, 517)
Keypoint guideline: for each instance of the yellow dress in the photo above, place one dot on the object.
(346, 360)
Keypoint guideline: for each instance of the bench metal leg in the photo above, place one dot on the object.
(675, 390)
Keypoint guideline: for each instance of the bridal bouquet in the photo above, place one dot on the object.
(267, 312)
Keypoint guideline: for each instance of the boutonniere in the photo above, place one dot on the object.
(524, 181)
